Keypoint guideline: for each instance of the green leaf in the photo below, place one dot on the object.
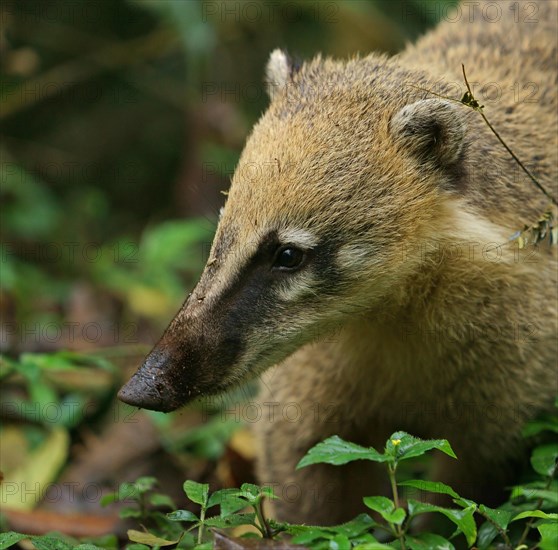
(335, 450)
(352, 529)
(159, 499)
(232, 505)
(307, 534)
(10, 538)
(549, 536)
(268, 492)
(49, 542)
(339, 542)
(231, 521)
(427, 541)
(373, 546)
(358, 525)
(197, 492)
(402, 446)
(535, 514)
(250, 492)
(127, 492)
(182, 515)
(531, 493)
(109, 498)
(222, 494)
(386, 508)
(488, 531)
(501, 518)
(144, 484)
(432, 487)
(547, 423)
(129, 512)
(463, 519)
(149, 539)
(544, 459)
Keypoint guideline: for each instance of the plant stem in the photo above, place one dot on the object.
(200, 530)
(533, 179)
(399, 531)
(264, 526)
(393, 485)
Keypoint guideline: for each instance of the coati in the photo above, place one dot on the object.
(365, 250)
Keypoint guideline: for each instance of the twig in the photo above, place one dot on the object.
(474, 104)
(502, 532)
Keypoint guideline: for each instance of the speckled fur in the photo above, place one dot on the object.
(442, 346)
(411, 310)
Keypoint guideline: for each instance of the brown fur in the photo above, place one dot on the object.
(449, 355)
(407, 314)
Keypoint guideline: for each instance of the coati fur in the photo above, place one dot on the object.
(364, 250)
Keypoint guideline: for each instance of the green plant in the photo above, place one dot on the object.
(59, 386)
(528, 520)
(143, 503)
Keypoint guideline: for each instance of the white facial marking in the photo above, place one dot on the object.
(299, 237)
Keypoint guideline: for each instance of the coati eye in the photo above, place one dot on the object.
(288, 258)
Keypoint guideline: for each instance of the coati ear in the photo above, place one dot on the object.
(432, 129)
(280, 69)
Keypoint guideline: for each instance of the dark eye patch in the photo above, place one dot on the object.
(288, 258)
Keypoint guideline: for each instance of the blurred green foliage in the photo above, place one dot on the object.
(121, 124)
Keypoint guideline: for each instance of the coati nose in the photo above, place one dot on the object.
(147, 389)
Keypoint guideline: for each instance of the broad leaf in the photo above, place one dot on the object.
(357, 526)
(146, 483)
(159, 499)
(149, 539)
(339, 542)
(48, 542)
(109, 498)
(531, 493)
(535, 514)
(550, 423)
(304, 534)
(197, 492)
(229, 501)
(487, 533)
(335, 450)
(233, 520)
(430, 486)
(386, 508)
(10, 538)
(549, 536)
(463, 519)
(544, 459)
(373, 546)
(501, 518)
(488, 530)
(182, 515)
(402, 446)
(308, 534)
(428, 541)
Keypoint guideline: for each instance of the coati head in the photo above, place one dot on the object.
(348, 168)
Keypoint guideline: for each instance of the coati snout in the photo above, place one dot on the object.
(229, 328)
